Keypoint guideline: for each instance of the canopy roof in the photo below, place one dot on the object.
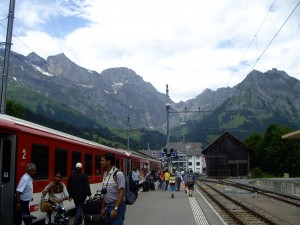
(295, 134)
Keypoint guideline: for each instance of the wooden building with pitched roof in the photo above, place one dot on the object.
(227, 157)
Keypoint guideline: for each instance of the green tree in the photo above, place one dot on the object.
(254, 141)
(15, 109)
(275, 155)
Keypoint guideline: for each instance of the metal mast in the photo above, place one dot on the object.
(168, 105)
(7, 54)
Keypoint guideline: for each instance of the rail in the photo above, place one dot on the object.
(238, 212)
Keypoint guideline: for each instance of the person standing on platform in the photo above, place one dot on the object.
(79, 189)
(191, 178)
(167, 178)
(113, 206)
(24, 194)
(186, 186)
(178, 178)
(172, 183)
(58, 193)
(135, 177)
(161, 180)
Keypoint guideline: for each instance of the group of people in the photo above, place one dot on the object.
(174, 180)
(113, 207)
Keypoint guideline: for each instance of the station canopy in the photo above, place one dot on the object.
(295, 134)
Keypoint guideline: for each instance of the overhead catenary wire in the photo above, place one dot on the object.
(251, 42)
(263, 52)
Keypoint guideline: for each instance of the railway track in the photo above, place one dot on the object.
(287, 199)
(234, 212)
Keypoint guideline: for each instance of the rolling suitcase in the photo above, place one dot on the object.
(152, 186)
(93, 219)
(91, 211)
(145, 186)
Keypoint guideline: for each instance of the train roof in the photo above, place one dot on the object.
(16, 124)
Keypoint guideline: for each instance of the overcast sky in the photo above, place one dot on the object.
(190, 45)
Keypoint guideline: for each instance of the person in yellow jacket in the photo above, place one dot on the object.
(167, 179)
(172, 184)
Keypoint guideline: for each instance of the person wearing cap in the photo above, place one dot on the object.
(79, 189)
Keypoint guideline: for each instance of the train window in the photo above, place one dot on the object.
(98, 165)
(6, 160)
(61, 161)
(137, 165)
(40, 157)
(88, 164)
(76, 157)
(118, 164)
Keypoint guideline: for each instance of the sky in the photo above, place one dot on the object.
(190, 45)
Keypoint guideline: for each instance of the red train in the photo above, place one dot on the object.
(23, 142)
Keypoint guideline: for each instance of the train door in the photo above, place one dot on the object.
(7, 182)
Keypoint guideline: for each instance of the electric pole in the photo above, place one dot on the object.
(7, 54)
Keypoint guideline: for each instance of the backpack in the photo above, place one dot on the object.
(190, 179)
(130, 189)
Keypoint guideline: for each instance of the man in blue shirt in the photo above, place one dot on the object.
(24, 194)
(178, 178)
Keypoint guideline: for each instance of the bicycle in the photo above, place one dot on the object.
(29, 217)
(61, 217)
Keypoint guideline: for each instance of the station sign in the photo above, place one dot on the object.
(174, 154)
(162, 154)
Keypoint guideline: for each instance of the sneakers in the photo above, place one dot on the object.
(189, 195)
(172, 195)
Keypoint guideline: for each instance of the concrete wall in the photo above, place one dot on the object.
(289, 186)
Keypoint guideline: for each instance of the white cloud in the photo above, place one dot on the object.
(191, 45)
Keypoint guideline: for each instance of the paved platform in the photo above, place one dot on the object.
(157, 207)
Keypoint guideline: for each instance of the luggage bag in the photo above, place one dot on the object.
(145, 186)
(93, 219)
(152, 186)
(91, 211)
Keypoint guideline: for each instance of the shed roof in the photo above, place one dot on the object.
(221, 138)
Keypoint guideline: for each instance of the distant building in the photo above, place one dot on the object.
(227, 157)
(185, 156)
(189, 157)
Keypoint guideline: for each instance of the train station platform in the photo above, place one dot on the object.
(157, 207)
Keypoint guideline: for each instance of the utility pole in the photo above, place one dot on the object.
(7, 54)
(169, 165)
(128, 134)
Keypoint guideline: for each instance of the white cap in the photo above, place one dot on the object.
(78, 165)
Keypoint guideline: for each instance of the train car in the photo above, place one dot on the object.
(22, 142)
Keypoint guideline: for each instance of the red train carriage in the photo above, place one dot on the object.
(23, 142)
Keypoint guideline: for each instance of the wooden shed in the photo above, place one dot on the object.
(227, 157)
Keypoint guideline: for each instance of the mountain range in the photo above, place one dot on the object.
(118, 98)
